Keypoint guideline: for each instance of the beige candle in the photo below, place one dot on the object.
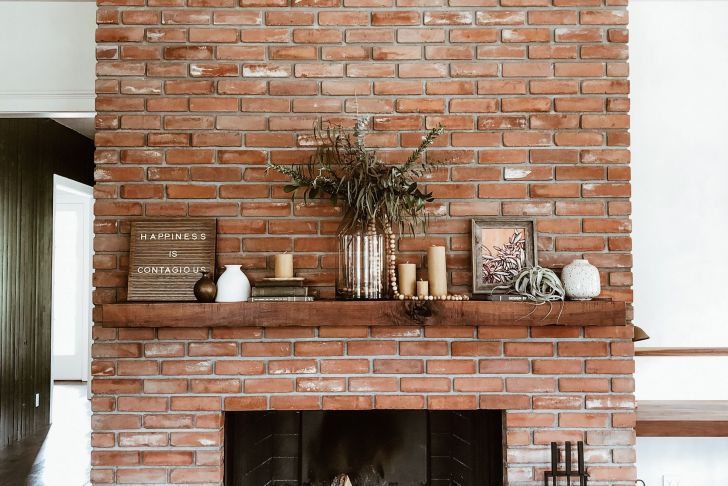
(284, 265)
(407, 276)
(437, 271)
(422, 288)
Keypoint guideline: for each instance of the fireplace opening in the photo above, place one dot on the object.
(365, 448)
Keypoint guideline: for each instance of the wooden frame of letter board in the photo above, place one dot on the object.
(169, 287)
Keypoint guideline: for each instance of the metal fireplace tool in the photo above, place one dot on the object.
(567, 473)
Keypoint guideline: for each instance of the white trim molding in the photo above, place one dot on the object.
(44, 102)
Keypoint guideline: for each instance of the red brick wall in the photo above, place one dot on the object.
(195, 96)
(159, 394)
(193, 100)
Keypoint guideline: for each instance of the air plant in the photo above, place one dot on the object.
(539, 285)
(373, 192)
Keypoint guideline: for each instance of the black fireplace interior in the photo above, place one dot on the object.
(374, 448)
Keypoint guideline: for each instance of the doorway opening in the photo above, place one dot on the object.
(72, 286)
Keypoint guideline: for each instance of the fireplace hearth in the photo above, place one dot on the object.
(372, 448)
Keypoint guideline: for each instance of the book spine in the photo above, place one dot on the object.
(506, 298)
(279, 283)
(280, 292)
(281, 299)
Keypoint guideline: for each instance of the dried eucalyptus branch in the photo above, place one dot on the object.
(342, 168)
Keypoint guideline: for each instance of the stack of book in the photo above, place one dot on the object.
(281, 290)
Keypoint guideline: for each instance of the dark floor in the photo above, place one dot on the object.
(59, 456)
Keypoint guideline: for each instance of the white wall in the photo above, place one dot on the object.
(681, 378)
(692, 461)
(679, 71)
(679, 75)
(47, 56)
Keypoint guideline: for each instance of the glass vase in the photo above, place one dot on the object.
(362, 258)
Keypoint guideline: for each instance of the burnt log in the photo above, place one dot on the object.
(341, 480)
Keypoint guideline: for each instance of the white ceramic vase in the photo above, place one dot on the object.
(233, 285)
(581, 280)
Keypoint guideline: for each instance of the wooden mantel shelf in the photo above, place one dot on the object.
(673, 351)
(360, 313)
(682, 418)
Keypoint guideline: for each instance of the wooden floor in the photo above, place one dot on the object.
(59, 456)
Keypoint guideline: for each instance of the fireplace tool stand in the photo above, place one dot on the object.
(554, 474)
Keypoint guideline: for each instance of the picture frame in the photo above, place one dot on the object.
(500, 248)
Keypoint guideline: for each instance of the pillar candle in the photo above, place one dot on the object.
(437, 271)
(422, 288)
(407, 277)
(284, 265)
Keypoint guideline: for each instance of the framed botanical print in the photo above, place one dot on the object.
(501, 247)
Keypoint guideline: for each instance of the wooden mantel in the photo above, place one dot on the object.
(364, 313)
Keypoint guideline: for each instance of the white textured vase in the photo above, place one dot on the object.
(581, 280)
(233, 285)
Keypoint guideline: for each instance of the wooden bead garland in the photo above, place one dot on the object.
(453, 297)
(392, 262)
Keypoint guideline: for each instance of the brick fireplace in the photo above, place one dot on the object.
(374, 447)
(195, 96)
(160, 395)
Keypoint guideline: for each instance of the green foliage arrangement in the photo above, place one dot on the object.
(372, 192)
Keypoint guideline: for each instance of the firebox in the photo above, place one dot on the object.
(369, 448)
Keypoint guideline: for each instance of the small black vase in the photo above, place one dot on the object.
(205, 288)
